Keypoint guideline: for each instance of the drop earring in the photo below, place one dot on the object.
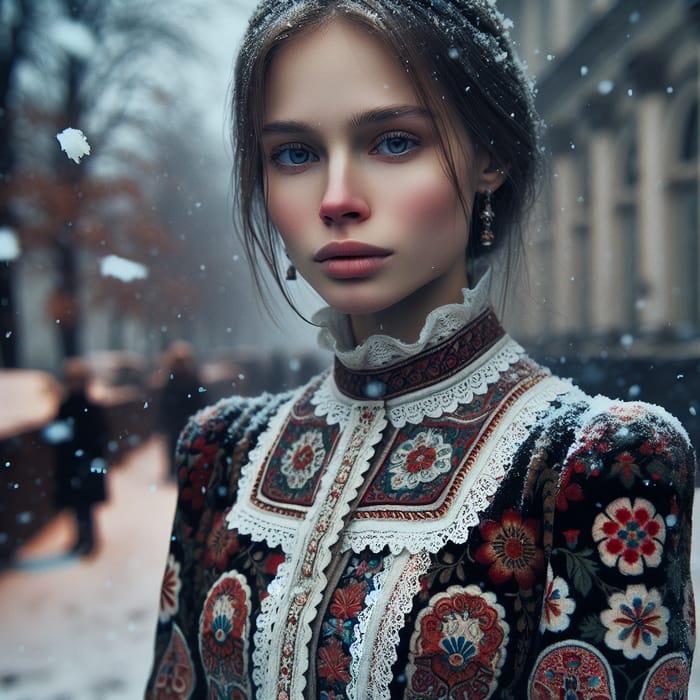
(487, 237)
(291, 270)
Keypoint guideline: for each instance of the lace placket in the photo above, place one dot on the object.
(282, 658)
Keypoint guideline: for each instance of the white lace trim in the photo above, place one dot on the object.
(481, 483)
(430, 402)
(374, 650)
(274, 530)
(269, 613)
(382, 350)
(303, 592)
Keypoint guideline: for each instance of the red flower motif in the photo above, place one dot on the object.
(630, 535)
(422, 458)
(333, 663)
(568, 492)
(224, 618)
(221, 543)
(302, 458)
(571, 537)
(347, 602)
(272, 563)
(512, 548)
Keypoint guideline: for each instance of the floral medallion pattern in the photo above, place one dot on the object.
(223, 635)
(668, 678)
(170, 590)
(303, 459)
(558, 606)
(636, 622)
(174, 679)
(534, 599)
(630, 535)
(571, 669)
(511, 548)
(420, 460)
(458, 645)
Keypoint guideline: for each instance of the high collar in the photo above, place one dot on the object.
(383, 367)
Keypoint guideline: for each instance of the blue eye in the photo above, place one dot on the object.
(294, 156)
(395, 145)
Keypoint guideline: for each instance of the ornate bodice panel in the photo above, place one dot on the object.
(455, 523)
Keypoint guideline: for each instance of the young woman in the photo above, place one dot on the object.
(438, 516)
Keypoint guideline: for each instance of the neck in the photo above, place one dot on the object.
(405, 319)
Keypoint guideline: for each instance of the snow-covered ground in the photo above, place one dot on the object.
(73, 629)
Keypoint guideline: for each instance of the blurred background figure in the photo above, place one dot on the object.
(181, 395)
(81, 435)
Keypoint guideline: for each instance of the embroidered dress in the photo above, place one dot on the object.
(438, 520)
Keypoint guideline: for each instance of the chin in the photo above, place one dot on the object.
(356, 304)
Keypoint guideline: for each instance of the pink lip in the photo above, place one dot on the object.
(349, 249)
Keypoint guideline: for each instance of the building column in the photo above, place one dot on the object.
(607, 283)
(565, 218)
(656, 243)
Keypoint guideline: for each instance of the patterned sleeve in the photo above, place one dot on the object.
(618, 614)
(203, 459)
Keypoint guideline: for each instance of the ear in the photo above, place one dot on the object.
(488, 174)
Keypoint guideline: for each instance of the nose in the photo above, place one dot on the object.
(343, 201)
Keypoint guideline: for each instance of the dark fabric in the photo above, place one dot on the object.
(180, 398)
(80, 475)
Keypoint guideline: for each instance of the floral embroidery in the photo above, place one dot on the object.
(347, 602)
(175, 676)
(458, 645)
(636, 622)
(557, 604)
(511, 548)
(303, 459)
(668, 678)
(196, 477)
(222, 543)
(223, 636)
(626, 469)
(333, 664)
(571, 669)
(170, 590)
(630, 535)
(420, 460)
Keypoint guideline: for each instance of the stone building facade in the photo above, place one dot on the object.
(613, 257)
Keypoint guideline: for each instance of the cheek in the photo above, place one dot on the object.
(285, 212)
(435, 209)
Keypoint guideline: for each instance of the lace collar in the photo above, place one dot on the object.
(381, 351)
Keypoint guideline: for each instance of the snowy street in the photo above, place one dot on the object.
(82, 629)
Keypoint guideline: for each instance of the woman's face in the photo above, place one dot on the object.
(356, 182)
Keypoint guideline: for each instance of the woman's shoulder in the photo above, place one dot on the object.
(597, 435)
(232, 417)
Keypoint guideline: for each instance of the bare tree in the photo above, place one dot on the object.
(90, 66)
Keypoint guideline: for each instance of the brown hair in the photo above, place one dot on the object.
(459, 58)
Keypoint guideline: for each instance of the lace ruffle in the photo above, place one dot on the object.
(432, 402)
(382, 350)
(374, 650)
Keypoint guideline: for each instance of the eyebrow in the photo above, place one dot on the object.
(372, 116)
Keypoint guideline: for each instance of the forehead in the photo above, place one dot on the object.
(338, 66)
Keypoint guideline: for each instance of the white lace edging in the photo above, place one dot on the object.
(431, 402)
(374, 650)
(434, 401)
(269, 613)
(243, 516)
(382, 350)
(481, 483)
(332, 512)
